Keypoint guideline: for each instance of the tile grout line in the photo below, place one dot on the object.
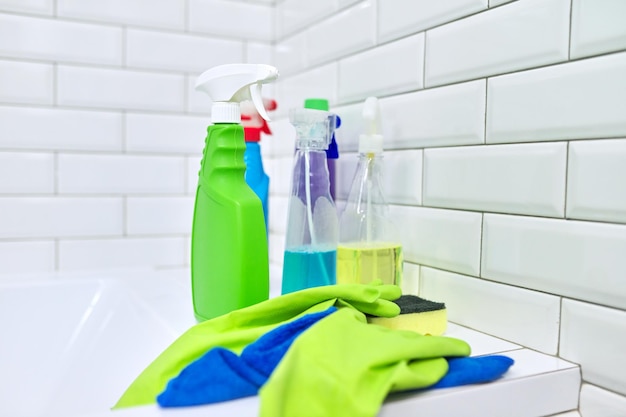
(125, 217)
(124, 49)
(569, 38)
(55, 173)
(187, 17)
(423, 177)
(57, 254)
(486, 107)
(480, 246)
(566, 180)
(55, 85)
(424, 61)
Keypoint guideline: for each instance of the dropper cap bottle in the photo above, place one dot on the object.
(369, 249)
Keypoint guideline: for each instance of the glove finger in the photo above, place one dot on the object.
(379, 308)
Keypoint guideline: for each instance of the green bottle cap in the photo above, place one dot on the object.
(316, 104)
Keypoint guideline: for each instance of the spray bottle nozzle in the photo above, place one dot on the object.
(253, 123)
(314, 128)
(234, 83)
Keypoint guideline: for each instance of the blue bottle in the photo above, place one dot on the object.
(310, 257)
(256, 178)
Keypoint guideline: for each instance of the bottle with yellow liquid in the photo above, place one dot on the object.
(369, 249)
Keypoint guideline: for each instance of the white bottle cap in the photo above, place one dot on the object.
(372, 140)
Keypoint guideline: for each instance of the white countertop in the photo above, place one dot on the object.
(145, 311)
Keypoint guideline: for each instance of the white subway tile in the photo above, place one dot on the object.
(521, 35)
(22, 172)
(402, 177)
(392, 68)
(159, 215)
(596, 402)
(593, 336)
(259, 53)
(26, 257)
(346, 167)
(28, 6)
(280, 173)
(276, 249)
(595, 188)
(319, 82)
(58, 129)
(597, 27)
(524, 179)
(583, 99)
(122, 89)
(26, 82)
(42, 217)
(56, 40)
(179, 52)
(168, 14)
(282, 142)
(447, 239)
(345, 32)
(278, 209)
(91, 174)
(402, 17)
(292, 15)
(522, 316)
(232, 19)
(121, 253)
(193, 167)
(352, 125)
(291, 54)
(165, 133)
(577, 259)
(452, 115)
(410, 279)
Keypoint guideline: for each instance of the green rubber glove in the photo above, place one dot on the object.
(236, 330)
(344, 366)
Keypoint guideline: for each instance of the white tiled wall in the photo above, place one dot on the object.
(100, 128)
(505, 126)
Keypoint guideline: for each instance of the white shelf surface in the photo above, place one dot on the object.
(115, 323)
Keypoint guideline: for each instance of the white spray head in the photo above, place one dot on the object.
(372, 140)
(230, 84)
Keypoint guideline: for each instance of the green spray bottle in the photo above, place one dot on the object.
(229, 257)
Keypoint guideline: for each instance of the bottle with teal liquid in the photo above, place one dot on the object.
(310, 258)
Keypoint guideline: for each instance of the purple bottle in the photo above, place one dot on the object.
(310, 258)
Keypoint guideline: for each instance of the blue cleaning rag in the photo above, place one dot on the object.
(221, 375)
(474, 370)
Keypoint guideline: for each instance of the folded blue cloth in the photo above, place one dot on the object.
(474, 370)
(220, 375)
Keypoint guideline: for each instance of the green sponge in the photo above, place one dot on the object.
(417, 314)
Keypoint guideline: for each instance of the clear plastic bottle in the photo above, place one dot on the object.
(369, 249)
(312, 224)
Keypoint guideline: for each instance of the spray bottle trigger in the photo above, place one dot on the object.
(257, 100)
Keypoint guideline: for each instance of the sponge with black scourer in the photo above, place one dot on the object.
(416, 314)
